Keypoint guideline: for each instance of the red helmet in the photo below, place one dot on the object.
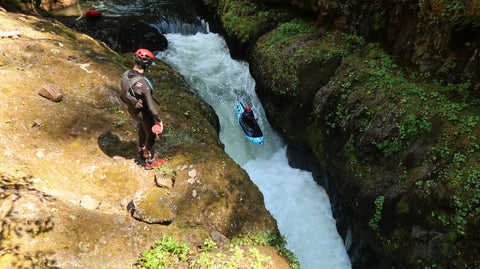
(143, 58)
(142, 53)
(248, 108)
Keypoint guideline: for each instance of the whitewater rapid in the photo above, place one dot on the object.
(300, 206)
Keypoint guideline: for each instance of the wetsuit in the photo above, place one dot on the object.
(147, 116)
(248, 118)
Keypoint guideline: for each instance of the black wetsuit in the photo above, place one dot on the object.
(248, 117)
(147, 116)
(249, 124)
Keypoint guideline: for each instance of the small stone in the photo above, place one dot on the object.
(88, 202)
(192, 173)
(40, 153)
(219, 238)
(51, 92)
(163, 181)
(37, 123)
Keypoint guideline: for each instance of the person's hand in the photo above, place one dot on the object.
(139, 104)
(157, 128)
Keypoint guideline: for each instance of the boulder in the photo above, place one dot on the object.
(153, 206)
(122, 34)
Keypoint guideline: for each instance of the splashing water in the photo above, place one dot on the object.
(300, 206)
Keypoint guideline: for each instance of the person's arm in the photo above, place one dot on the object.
(127, 96)
(253, 116)
(132, 100)
(148, 102)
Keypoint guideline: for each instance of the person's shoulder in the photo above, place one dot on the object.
(142, 84)
(131, 73)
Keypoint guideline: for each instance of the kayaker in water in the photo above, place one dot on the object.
(137, 94)
(248, 116)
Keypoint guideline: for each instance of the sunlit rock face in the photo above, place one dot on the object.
(73, 190)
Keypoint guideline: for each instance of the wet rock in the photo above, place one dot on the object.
(121, 34)
(51, 92)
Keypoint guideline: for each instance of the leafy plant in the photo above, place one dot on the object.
(273, 239)
(116, 110)
(208, 245)
(378, 213)
(166, 254)
(118, 123)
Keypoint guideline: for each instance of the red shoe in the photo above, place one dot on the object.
(153, 163)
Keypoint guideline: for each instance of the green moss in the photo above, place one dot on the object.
(447, 242)
(316, 141)
(374, 222)
(246, 20)
(289, 30)
(403, 207)
(370, 86)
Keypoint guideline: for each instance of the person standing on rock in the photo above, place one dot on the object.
(137, 94)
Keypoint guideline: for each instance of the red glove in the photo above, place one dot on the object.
(157, 128)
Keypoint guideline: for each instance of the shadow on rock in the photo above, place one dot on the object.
(111, 145)
(23, 216)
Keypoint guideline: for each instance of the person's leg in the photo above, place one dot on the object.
(138, 115)
(149, 138)
(141, 139)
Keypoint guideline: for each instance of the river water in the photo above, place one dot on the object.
(300, 206)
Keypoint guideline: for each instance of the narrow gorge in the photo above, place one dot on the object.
(382, 96)
(385, 96)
